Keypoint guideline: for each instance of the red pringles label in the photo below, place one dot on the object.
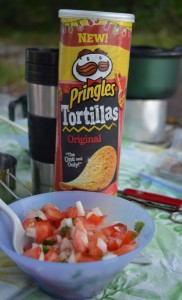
(93, 69)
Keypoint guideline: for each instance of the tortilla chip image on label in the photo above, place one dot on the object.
(98, 172)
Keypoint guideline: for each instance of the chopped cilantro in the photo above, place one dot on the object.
(138, 226)
(45, 249)
(133, 235)
(64, 230)
(49, 242)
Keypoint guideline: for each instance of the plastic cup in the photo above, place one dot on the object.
(94, 53)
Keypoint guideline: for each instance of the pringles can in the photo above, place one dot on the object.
(94, 54)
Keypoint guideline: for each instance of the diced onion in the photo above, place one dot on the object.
(80, 209)
(31, 232)
(73, 229)
(90, 233)
(97, 211)
(63, 224)
(37, 213)
(66, 222)
(59, 238)
(65, 254)
(117, 228)
(41, 257)
(66, 244)
(102, 245)
(69, 222)
(119, 242)
(72, 258)
(109, 224)
(90, 213)
(84, 238)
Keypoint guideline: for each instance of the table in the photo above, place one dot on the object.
(162, 279)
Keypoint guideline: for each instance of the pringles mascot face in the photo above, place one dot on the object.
(92, 65)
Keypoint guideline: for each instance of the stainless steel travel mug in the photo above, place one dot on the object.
(41, 73)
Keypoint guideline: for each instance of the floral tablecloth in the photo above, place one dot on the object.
(162, 278)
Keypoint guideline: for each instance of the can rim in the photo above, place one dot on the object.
(69, 13)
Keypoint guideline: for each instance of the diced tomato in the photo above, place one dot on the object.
(120, 231)
(33, 252)
(71, 212)
(94, 251)
(108, 231)
(29, 223)
(112, 245)
(53, 213)
(97, 220)
(125, 249)
(51, 255)
(68, 234)
(78, 241)
(89, 226)
(129, 237)
(85, 239)
(117, 230)
(43, 231)
(85, 257)
(79, 223)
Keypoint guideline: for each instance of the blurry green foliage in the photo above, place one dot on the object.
(152, 15)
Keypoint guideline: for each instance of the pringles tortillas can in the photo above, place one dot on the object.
(94, 56)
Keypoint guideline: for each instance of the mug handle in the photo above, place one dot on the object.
(22, 100)
(19, 182)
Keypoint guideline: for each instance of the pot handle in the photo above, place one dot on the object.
(19, 182)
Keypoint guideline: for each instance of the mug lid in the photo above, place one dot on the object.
(42, 56)
(41, 66)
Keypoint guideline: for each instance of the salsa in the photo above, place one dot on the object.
(76, 235)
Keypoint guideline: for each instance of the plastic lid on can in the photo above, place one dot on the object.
(69, 13)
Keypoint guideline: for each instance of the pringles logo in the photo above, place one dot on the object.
(91, 68)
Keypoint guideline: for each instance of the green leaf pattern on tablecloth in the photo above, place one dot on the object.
(176, 292)
(11, 274)
(123, 287)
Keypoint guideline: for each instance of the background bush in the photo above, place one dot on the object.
(151, 15)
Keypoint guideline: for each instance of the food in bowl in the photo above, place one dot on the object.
(77, 280)
(76, 235)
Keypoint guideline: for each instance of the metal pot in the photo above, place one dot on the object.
(153, 72)
(144, 121)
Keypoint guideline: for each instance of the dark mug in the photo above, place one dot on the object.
(41, 74)
(7, 170)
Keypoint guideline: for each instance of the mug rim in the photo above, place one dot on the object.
(7, 161)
